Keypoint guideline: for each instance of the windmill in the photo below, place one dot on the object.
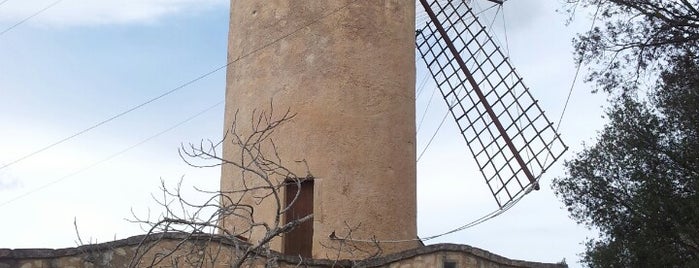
(346, 68)
(506, 130)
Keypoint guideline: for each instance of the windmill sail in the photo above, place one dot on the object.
(505, 129)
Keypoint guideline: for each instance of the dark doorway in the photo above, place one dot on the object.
(300, 240)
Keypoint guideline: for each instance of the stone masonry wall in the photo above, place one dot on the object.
(187, 250)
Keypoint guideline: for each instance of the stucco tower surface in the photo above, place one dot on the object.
(346, 69)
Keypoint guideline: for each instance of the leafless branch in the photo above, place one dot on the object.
(262, 176)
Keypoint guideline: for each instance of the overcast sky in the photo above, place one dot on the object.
(83, 61)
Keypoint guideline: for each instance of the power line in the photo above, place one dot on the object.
(421, 89)
(29, 17)
(110, 118)
(473, 223)
(422, 84)
(174, 89)
(575, 79)
(577, 72)
(422, 118)
(504, 29)
(433, 135)
(88, 167)
(3, 2)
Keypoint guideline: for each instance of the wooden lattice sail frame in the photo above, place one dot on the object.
(505, 129)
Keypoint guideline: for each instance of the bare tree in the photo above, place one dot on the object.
(262, 177)
(344, 243)
(634, 40)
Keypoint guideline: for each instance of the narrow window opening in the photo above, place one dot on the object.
(299, 241)
(449, 264)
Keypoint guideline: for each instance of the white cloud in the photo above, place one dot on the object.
(100, 12)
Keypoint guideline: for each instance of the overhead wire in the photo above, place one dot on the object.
(173, 90)
(577, 72)
(112, 118)
(504, 29)
(444, 119)
(112, 156)
(421, 86)
(3, 2)
(54, 3)
(470, 224)
(420, 18)
(575, 78)
(427, 106)
(519, 110)
(498, 44)
(482, 219)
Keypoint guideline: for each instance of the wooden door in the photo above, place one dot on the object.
(299, 241)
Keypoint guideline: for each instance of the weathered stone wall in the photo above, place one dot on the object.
(186, 250)
(347, 70)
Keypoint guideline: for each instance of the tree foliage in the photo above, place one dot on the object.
(637, 183)
(634, 38)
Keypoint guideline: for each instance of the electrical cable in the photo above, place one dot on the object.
(577, 72)
(110, 119)
(245, 55)
(504, 28)
(110, 157)
(421, 86)
(519, 109)
(422, 118)
(29, 17)
(575, 78)
(3, 2)
(433, 135)
(473, 223)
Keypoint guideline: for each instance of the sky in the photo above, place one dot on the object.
(81, 62)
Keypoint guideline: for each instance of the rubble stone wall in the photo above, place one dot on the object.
(187, 250)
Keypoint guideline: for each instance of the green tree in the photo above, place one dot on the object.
(637, 183)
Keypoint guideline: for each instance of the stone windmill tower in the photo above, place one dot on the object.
(348, 75)
(346, 69)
